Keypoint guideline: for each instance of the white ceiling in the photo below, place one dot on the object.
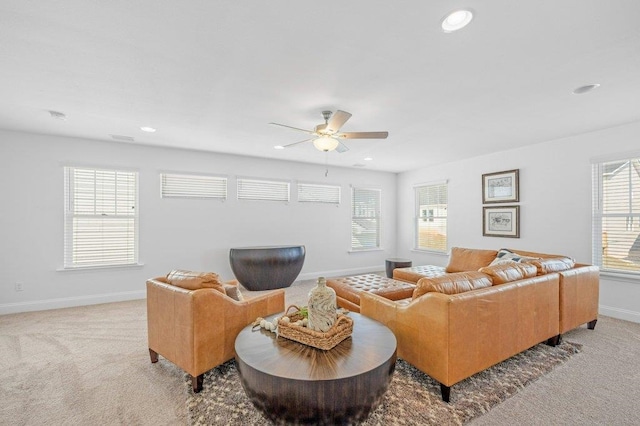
(211, 75)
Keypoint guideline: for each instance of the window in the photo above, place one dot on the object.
(365, 219)
(101, 217)
(309, 192)
(431, 217)
(616, 215)
(256, 189)
(193, 186)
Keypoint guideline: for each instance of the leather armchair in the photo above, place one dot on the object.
(196, 328)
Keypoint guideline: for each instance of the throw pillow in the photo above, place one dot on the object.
(192, 280)
(452, 283)
(233, 291)
(508, 256)
(465, 259)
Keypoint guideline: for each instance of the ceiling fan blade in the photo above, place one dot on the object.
(294, 128)
(337, 120)
(295, 143)
(362, 135)
(342, 148)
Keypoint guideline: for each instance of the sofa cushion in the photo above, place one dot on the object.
(508, 256)
(553, 264)
(507, 272)
(465, 259)
(192, 280)
(452, 283)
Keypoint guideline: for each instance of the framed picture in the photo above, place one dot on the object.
(500, 187)
(502, 221)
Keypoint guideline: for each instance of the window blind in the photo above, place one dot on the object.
(616, 215)
(315, 193)
(431, 217)
(192, 186)
(101, 217)
(257, 189)
(365, 218)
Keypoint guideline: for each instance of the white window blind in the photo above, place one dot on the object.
(258, 189)
(315, 193)
(101, 217)
(431, 217)
(192, 186)
(616, 215)
(365, 218)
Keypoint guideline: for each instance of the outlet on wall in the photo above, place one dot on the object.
(18, 286)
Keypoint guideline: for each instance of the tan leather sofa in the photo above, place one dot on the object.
(193, 321)
(459, 323)
(579, 289)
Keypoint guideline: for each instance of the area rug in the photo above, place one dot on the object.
(413, 397)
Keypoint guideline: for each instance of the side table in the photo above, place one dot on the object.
(394, 263)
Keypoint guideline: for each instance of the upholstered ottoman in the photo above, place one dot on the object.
(348, 289)
(413, 275)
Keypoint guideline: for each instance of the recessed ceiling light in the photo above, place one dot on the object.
(368, 159)
(278, 147)
(57, 115)
(456, 20)
(147, 129)
(586, 88)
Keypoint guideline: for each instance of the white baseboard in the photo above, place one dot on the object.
(69, 302)
(339, 272)
(619, 313)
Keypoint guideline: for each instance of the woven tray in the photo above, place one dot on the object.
(341, 329)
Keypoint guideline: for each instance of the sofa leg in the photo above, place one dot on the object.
(154, 355)
(555, 340)
(196, 382)
(592, 324)
(445, 391)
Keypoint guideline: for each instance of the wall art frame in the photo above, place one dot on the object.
(501, 221)
(501, 187)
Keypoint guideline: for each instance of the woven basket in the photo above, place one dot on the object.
(340, 330)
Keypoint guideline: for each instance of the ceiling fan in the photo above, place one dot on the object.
(328, 137)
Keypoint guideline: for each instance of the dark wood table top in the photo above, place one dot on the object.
(370, 345)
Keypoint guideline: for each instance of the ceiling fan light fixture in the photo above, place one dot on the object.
(456, 20)
(326, 143)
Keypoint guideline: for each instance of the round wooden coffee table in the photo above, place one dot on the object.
(292, 382)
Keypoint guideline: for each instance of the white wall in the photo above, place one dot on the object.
(555, 200)
(174, 233)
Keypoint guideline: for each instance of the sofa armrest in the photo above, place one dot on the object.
(579, 296)
(379, 308)
(263, 305)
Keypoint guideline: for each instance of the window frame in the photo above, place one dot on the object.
(72, 231)
(418, 216)
(190, 187)
(377, 216)
(266, 181)
(599, 215)
(319, 200)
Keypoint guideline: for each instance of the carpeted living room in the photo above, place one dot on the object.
(465, 177)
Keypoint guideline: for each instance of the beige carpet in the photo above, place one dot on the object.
(90, 365)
